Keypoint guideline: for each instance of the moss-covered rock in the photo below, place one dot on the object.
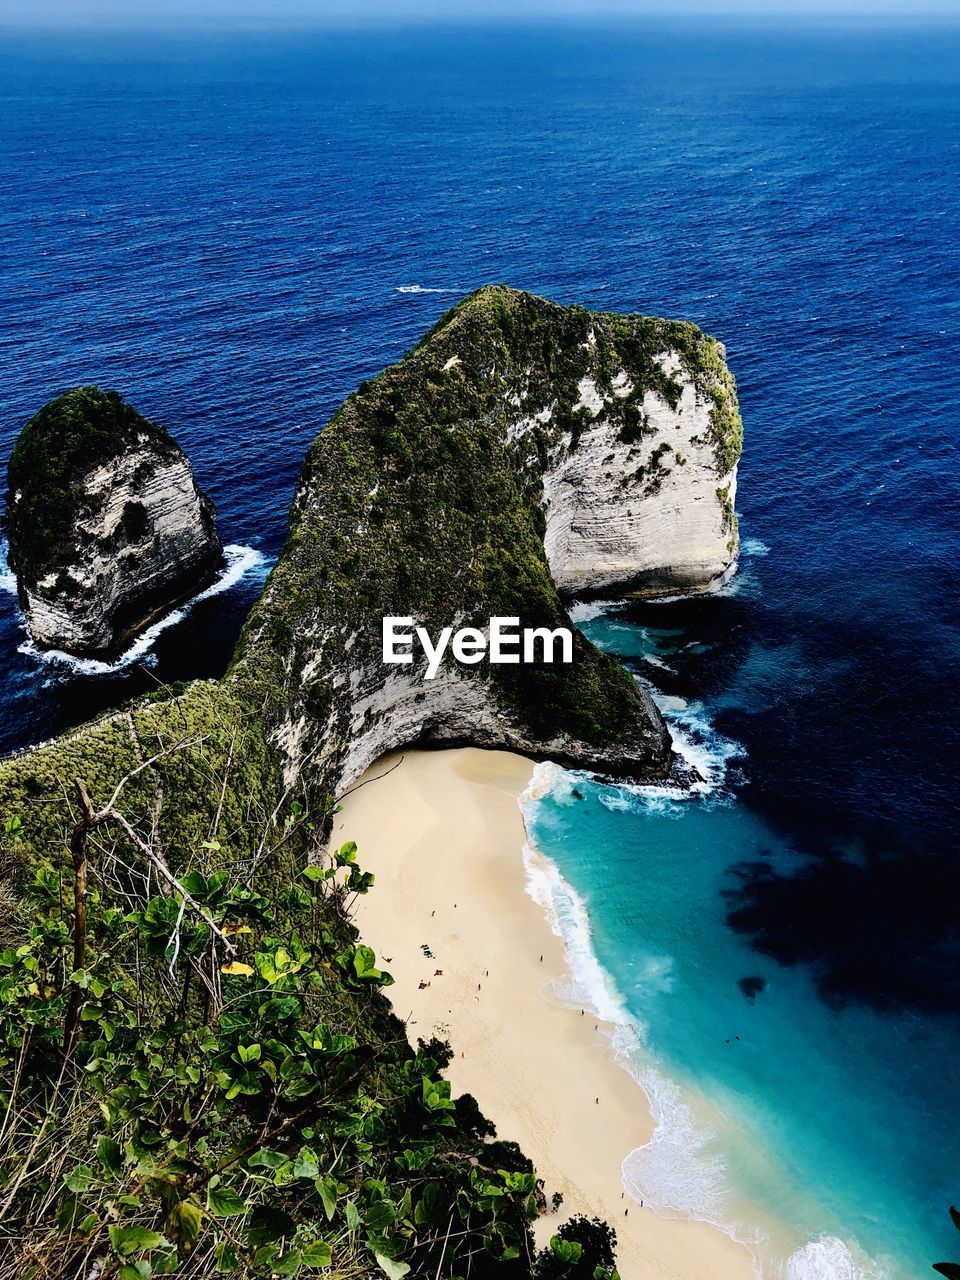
(106, 525)
(520, 447)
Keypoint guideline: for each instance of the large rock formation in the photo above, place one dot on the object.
(641, 500)
(522, 452)
(520, 447)
(106, 525)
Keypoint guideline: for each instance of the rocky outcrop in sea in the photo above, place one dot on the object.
(522, 455)
(106, 525)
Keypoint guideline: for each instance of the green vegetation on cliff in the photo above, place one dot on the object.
(197, 768)
(554, 347)
(199, 1073)
(79, 430)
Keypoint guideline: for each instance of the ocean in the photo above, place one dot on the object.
(235, 229)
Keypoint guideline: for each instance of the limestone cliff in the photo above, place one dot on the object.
(106, 525)
(642, 501)
(522, 447)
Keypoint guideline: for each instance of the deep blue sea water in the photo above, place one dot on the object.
(227, 229)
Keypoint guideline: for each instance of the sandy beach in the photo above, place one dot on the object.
(444, 834)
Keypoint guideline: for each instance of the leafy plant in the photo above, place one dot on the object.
(237, 1097)
(583, 1249)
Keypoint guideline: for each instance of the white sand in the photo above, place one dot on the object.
(444, 834)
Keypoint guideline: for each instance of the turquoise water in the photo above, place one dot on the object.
(235, 229)
(801, 1124)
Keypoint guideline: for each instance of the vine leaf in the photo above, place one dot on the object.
(394, 1270)
(224, 1202)
(130, 1240)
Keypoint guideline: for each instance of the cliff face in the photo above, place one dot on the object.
(521, 452)
(643, 502)
(106, 525)
(520, 447)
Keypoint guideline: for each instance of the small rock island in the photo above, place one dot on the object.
(107, 527)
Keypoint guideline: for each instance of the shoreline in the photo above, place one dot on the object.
(444, 834)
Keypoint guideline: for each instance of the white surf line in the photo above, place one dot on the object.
(238, 562)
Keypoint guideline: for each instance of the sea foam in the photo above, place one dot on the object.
(754, 547)
(676, 1173)
(659, 663)
(828, 1258)
(680, 1172)
(584, 610)
(238, 562)
(706, 752)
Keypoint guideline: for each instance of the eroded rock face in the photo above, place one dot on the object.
(106, 525)
(523, 454)
(643, 511)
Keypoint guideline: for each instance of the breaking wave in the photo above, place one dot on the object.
(705, 752)
(828, 1258)
(585, 610)
(681, 1171)
(238, 562)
